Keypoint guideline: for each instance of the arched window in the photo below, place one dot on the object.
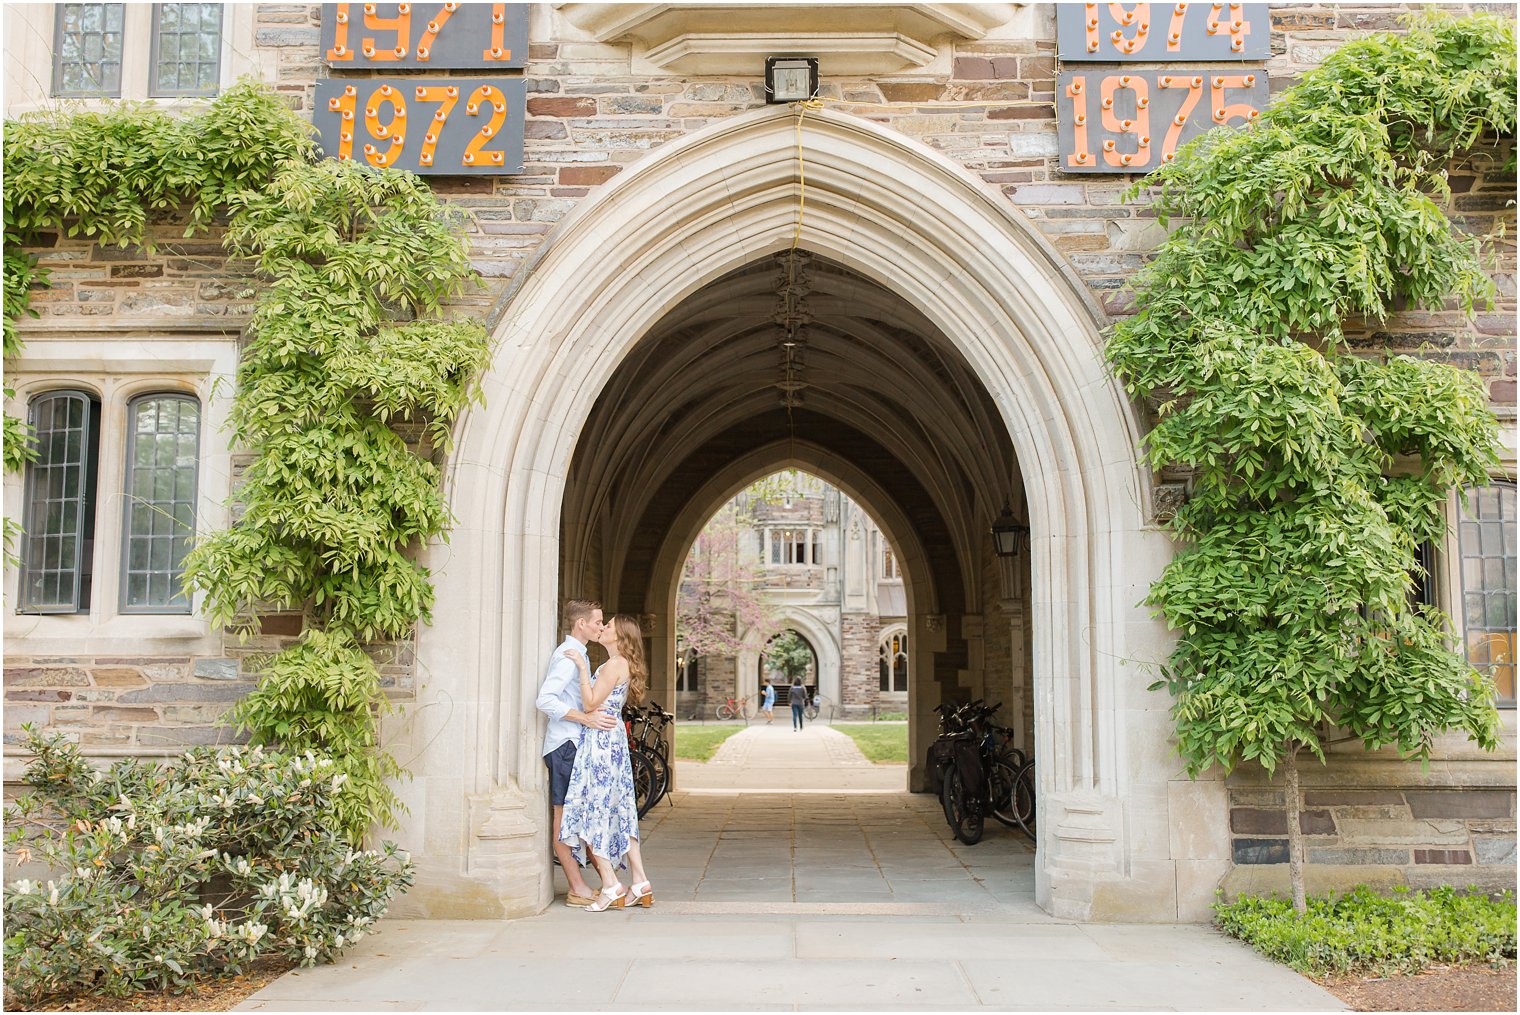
(1486, 539)
(58, 542)
(163, 458)
(892, 662)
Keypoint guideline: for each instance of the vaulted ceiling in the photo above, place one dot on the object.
(869, 378)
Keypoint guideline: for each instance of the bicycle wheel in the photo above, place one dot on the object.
(644, 782)
(810, 710)
(747, 709)
(1001, 779)
(725, 712)
(661, 778)
(1023, 798)
(965, 816)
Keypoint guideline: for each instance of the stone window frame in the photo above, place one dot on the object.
(156, 54)
(30, 29)
(87, 501)
(883, 641)
(116, 26)
(1453, 594)
(117, 372)
(796, 541)
(129, 466)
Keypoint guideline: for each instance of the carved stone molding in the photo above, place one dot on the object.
(735, 39)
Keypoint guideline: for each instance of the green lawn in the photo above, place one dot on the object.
(883, 743)
(699, 743)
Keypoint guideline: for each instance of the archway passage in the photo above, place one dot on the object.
(795, 360)
(1028, 413)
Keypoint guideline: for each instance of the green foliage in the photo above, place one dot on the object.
(1367, 933)
(788, 655)
(160, 876)
(1316, 473)
(345, 346)
(320, 696)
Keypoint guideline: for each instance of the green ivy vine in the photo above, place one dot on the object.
(1316, 473)
(346, 344)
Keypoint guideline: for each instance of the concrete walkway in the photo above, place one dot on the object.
(803, 900)
(771, 757)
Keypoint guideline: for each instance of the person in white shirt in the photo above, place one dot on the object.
(560, 698)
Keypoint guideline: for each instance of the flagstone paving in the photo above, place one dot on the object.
(783, 891)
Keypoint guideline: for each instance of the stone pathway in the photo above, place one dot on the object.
(803, 900)
(766, 758)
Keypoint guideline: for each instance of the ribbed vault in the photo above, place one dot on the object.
(870, 380)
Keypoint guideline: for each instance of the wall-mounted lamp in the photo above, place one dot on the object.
(790, 78)
(1008, 534)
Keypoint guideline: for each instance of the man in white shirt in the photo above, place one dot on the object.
(560, 699)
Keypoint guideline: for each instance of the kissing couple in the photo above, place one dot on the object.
(586, 751)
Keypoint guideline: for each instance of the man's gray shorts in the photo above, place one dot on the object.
(561, 762)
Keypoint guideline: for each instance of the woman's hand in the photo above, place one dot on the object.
(578, 659)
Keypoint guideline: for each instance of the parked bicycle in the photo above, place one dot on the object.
(736, 708)
(816, 702)
(649, 753)
(980, 772)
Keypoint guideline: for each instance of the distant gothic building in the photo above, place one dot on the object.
(831, 575)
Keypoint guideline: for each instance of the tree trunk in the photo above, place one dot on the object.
(1291, 804)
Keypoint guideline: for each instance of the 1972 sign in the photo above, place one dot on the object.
(438, 126)
(1132, 120)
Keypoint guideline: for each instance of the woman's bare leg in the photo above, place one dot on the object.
(635, 862)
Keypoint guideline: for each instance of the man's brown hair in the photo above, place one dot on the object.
(579, 609)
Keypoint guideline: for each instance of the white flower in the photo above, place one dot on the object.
(24, 886)
(52, 894)
(338, 941)
(311, 952)
(208, 911)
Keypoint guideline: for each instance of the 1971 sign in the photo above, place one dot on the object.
(1133, 120)
(439, 126)
(424, 36)
(1157, 33)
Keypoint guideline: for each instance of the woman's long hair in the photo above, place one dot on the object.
(630, 642)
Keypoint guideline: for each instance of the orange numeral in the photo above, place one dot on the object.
(1077, 91)
(1194, 85)
(449, 97)
(473, 156)
(1140, 125)
(401, 24)
(1225, 112)
(344, 106)
(425, 44)
(498, 50)
(340, 50)
(395, 131)
(1140, 17)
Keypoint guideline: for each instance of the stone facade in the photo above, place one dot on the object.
(915, 171)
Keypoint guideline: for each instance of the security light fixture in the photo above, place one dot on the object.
(790, 78)
(1008, 533)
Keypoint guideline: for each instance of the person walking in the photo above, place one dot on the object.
(559, 698)
(797, 696)
(768, 702)
(601, 816)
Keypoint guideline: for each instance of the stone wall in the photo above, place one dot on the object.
(859, 674)
(1401, 835)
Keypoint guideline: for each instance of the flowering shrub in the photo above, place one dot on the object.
(162, 874)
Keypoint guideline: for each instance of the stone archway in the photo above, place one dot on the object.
(896, 212)
(823, 642)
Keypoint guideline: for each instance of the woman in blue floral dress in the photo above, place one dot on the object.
(600, 813)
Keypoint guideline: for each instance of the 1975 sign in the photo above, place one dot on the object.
(438, 126)
(1132, 120)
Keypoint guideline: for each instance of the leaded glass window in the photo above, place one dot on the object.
(87, 49)
(1486, 537)
(187, 49)
(58, 531)
(163, 455)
